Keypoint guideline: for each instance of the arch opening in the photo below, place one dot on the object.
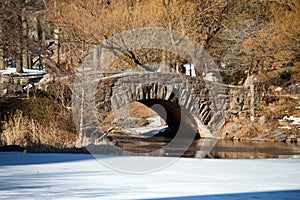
(179, 121)
(136, 118)
(174, 121)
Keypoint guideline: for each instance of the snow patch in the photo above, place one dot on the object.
(285, 127)
(278, 89)
(154, 126)
(292, 122)
(296, 120)
(11, 70)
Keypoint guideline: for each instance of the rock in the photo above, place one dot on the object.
(233, 128)
(211, 77)
(250, 81)
(3, 92)
(236, 138)
(6, 79)
(262, 120)
(24, 81)
(115, 131)
(103, 149)
(278, 135)
(292, 138)
(258, 139)
(110, 129)
(45, 81)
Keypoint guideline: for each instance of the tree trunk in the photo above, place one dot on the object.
(25, 53)
(19, 59)
(163, 63)
(2, 63)
(25, 58)
(19, 63)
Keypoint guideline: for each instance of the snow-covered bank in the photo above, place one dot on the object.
(75, 176)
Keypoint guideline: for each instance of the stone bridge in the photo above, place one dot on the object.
(193, 104)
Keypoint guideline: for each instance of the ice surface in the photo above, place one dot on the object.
(77, 176)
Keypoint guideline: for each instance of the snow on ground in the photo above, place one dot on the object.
(278, 89)
(77, 176)
(295, 121)
(26, 71)
(154, 126)
(285, 127)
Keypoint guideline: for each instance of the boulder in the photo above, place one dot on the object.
(45, 81)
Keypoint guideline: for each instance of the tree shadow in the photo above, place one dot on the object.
(18, 158)
(274, 195)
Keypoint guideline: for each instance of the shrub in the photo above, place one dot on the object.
(285, 76)
(282, 79)
(233, 79)
(22, 131)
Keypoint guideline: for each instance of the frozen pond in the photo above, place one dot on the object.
(77, 176)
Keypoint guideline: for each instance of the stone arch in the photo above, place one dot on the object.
(186, 111)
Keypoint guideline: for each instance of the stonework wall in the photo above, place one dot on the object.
(210, 104)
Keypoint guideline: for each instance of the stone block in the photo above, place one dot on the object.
(6, 79)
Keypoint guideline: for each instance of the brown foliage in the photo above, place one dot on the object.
(277, 44)
(85, 24)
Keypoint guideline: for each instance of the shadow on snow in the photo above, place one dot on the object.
(17, 158)
(274, 195)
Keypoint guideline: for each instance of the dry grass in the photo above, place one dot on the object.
(22, 131)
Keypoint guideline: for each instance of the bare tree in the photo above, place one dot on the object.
(256, 36)
(17, 41)
(86, 24)
(2, 62)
